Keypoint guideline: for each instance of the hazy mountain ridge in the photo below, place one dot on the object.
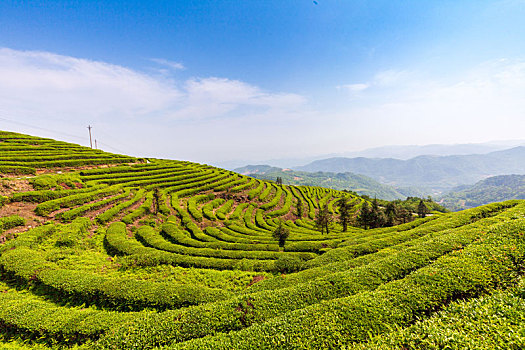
(493, 189)
(402, 152)
(405, 152)
(433, 173)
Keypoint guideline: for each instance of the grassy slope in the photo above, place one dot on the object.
(361, 184)
(132, 255)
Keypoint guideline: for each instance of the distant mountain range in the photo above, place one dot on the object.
(432, 174)
(412, 151)
(493, 189)
(397, 152)
(361, 184)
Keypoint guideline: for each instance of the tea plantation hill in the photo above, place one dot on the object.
(363, 185)
(103, 251)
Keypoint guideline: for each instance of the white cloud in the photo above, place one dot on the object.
(46, 84)
(390, 77)
(54, 85)
(151, 114)
(214, 97)
(170, 64)
(354, 87)
(483, 103)
(382, 79)
(211, 118)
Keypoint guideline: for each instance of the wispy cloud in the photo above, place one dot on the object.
(167, 63)
(215, 97)
(66, 93)
(382, 79)
(482, 103)
(354, 87)
(216, 118)
(48, 84)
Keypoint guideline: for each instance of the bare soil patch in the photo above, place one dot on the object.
(8, 186)
(25, 210)
(257, 278)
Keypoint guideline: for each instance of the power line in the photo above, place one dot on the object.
(112, 137)
(40, 128)
(58, 132)
(113, 148)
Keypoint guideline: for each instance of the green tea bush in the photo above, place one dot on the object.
(288, 264)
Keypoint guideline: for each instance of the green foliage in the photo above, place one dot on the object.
(493, 189)
(47, 207)
(43, 182)
(281, 234)
(464, 325)
(175, 254)
(288, 264)
(46, 182)
(3, 200)
(360, 184)
(8, 222)
(17, 170)
(355, 319)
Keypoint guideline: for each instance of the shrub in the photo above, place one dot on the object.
(288, 264)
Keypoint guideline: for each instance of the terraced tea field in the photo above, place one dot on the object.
(104, 251)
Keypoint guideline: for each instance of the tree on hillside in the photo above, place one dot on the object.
(377, 216)
(281, 234)
(391, 213)
(323, 219)
(156, 200)
(405, 215)
(363, 219)
(279, 180)
(299, 206)
(422, 209)
(344, 212)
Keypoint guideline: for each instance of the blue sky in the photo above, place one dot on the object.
(212, 81)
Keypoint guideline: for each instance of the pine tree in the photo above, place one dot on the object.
(344, 212)
(281, 234)
(156, 200)
(405, 215)
(323, 219)
(377, 217)
(422, 209)
(300, 209)
(364, 216)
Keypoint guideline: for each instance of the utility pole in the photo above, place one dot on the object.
(90, 142)
(96, 144)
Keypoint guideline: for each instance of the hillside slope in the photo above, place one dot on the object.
(493, 189)
(429, 172)
(360, 184)
(127, 253)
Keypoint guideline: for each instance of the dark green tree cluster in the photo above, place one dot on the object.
(422, 209)
(344, 212)
(413, 203)
(374, 216)
(281, 234)
(156, 202)
(300, 208)
(323, 219)
(279, 180)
